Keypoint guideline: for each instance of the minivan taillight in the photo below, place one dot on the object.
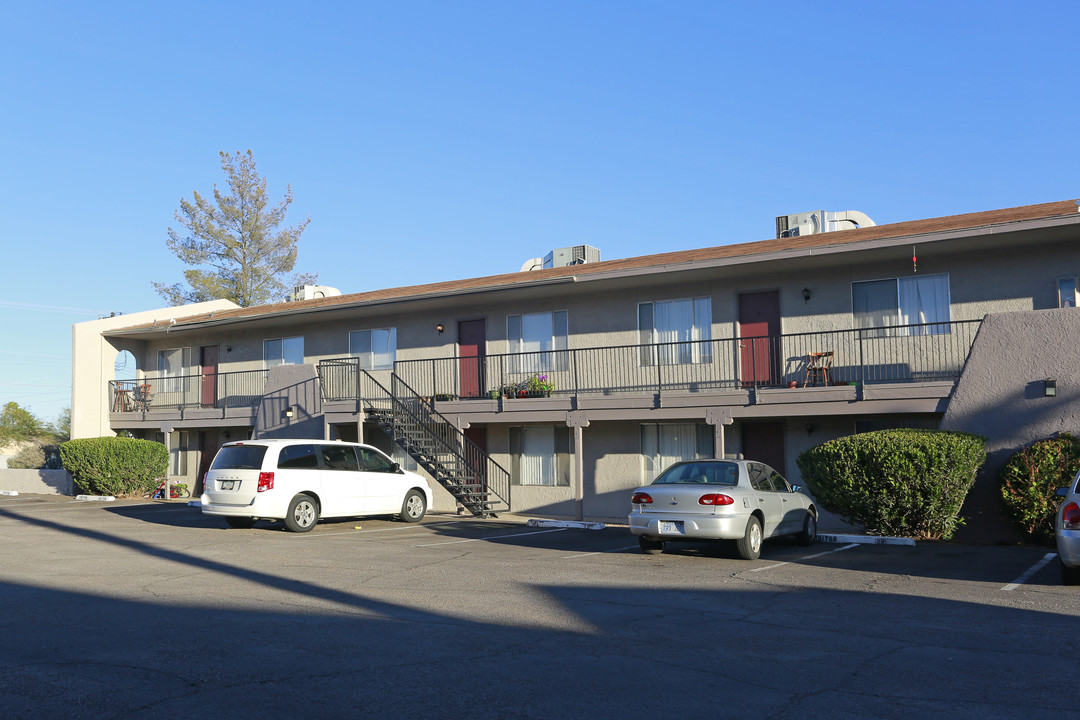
(266, 481)
(715, 499)
(641, 498)
(1070, 517)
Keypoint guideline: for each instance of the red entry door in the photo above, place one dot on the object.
(209, 361)
(759, 330)
(472, 349)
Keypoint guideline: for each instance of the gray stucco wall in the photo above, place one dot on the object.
(37, 482)
(1000, 395)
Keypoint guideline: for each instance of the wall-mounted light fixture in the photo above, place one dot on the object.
(228, 348)
(440, 328)
(809, 429)
(288, 413)
(1050, 387)
(227, 435)
(806, 295)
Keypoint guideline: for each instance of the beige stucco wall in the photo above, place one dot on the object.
(93, 358)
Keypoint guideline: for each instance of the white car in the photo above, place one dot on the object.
(301, 481)
(1067, 532)
(740, 500)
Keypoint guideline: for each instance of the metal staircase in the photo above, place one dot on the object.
(480, 484)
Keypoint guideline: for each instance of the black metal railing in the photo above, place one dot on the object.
(895, 354)
(455, 461)
(214, 390)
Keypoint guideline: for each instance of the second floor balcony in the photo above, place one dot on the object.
(898, 354)
(220, 391)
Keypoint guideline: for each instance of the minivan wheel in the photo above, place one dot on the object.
(414, 507)
(303, 513)
(240, 523)
(749, 545)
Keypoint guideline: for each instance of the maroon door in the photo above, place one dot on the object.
(209, 361)
(764, 442)
(759, 328)
(471, 351)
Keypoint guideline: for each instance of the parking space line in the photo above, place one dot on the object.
(489, 539)
(1030, 571)
(808, 557)
(354, 531)
(598, 552)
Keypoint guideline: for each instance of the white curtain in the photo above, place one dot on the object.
(925, 299)
(538, 456)
(664, 445)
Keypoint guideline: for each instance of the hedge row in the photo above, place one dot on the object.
(123, 467)
(909, 483)
(1029, 480)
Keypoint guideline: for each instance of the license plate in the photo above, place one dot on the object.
(671, 528)
(228, 484)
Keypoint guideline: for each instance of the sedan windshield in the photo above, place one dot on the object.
(712, 473)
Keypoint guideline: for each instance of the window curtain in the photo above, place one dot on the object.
(874, 303)
(534, 336)
(374, 349)
(664, 445)
(925, 299)
(680, 328)
(538, 456)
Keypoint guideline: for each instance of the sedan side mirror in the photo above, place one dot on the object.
(796, 488)
(396, 468)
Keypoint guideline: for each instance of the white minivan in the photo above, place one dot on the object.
(300, 481)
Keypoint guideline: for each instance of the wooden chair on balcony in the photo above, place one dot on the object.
(142, 397)
(817, 368)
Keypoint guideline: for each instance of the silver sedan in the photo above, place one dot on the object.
(1067, 532)
(740, 500)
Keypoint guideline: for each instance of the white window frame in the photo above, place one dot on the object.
(919, 300)
(283, 343)
(681, 441)
(540, 455)
(682, 345)
(543, 349)
(369, 357)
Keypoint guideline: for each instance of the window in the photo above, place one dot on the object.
(178, 452)
(372, 461)
(675, 332)
(540, 455)
(298, 456)
(667, 444)
(920, 300)
(338, 457)
(1067, 292)
(377, 349)
(538, 334)
(173, 364)
(283, 351)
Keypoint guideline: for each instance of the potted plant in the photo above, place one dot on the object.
(537, 386)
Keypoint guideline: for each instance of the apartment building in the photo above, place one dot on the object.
(556, 391)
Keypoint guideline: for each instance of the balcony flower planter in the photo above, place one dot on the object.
(533, 393)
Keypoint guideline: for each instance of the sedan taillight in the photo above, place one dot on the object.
(715, 499)
(266, 481)
(1070, 517)
(641, 498)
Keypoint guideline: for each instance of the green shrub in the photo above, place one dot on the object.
(29, 457)
(910, 483)
(124, 467)
(1029, 479)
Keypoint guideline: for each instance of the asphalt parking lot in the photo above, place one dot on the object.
(148, 610)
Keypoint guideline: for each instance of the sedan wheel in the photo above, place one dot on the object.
(1069, 575)
(749, 545)
(809, 531)
(650, 547)
(303, 514)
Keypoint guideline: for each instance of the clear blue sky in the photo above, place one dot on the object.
(434, 141)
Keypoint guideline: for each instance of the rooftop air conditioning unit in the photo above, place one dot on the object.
(819, 221)
(310, 292)
(575, 255)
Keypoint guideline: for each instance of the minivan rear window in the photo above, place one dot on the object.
(239, 457)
